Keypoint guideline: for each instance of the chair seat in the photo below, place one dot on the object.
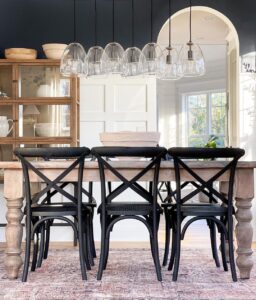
(211, 209)
(129, 208)
(57, 209)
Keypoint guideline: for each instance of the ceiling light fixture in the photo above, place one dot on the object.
(72, 60)
(96, 61)
(152, 52)
(133, 59)
(191, 55)
(114, 51)
(172, 68)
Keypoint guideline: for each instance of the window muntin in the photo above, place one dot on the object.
(206, 115)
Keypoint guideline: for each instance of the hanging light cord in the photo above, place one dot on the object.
(74, 17)
(113, 20)
(95, 23)
(170, 30)
(190, 24)
(151, 21)
(132, 23)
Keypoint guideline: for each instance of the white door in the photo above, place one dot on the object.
(117, 104)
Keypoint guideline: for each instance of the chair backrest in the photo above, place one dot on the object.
(180, 157)
(153, 154)
(130, 139)
(52, 186)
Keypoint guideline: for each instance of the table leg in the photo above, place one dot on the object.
(244, 235)
(13, 192)
(13, 233)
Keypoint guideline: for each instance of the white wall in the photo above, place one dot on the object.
(247, 109)
(167, 117)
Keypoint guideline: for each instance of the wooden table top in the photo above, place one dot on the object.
(122, 164)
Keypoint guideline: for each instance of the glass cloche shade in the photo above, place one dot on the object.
(172, 68)
(192, 60)
(72, 60)
(96, 62)
(153, 59)
(132, 62)
(114, 52)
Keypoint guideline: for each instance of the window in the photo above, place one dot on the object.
(206, 115)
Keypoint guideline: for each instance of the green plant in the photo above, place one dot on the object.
(211, 143)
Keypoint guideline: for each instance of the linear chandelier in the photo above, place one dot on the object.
(166, 64)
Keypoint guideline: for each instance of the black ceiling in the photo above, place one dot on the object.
(31, 23)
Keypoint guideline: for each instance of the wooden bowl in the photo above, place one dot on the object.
(20, 53)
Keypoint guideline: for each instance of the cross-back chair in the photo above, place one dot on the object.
(147, 211)
(219, 211)
(41, 212)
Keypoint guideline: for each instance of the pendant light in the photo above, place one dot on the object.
(172, 69)
(114, 51)
(133, 59)
(152, 52)
(191, 55)
(72, 60)
(96, 60)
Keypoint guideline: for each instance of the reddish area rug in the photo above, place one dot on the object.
(130, 275)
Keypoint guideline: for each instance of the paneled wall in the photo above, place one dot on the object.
(31, 23)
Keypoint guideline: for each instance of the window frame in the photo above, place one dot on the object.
(208, 94)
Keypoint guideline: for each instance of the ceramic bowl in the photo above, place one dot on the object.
(54, 51)
(46, 129)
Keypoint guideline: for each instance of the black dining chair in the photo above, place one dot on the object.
(113, 210)
(166, 204)
(219, 211)
(40, 211)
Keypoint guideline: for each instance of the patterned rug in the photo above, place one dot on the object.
(130, 275)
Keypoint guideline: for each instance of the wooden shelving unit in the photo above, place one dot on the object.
(43, 105)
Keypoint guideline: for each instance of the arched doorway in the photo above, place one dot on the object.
(218, 39)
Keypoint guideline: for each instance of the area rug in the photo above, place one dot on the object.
(130, 275)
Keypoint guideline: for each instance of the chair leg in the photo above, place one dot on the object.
(87, 258)
(92, 243)
(47, 239)
(82, 249)
(173, 249)
(35, 253)
(152, 249)
(156, 252)
(212, 228)
(27, 250)
(107, 241)
(231, 248)
(223, 251)
(42, 246)
(106, 252)
(88, 242)
(74, 236)
(84, 246)
(167, 237)
(177, 250)
(102, 251)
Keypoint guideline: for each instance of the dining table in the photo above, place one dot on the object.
(14, 196)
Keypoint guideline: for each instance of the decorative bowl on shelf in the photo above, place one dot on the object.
(54, 51)
(44, 90)
(46, 129)
(20, 53)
